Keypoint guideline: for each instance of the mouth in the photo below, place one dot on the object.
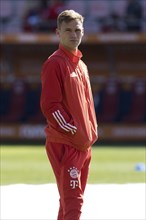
(74, 40)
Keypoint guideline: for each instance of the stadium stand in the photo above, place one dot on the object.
(6, 14)
(102, 15)
(42, 17)
(119, 61)
(115, 59)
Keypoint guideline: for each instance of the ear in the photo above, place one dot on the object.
(83, 32)
(57, 32)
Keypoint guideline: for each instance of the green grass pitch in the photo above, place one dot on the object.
(29, 165)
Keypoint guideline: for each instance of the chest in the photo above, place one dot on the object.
(77, 81)
(77, 74)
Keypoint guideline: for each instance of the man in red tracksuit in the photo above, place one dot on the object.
(67, 104)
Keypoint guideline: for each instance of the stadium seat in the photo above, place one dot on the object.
(97, 90)
(5, 93)
(32, 100)
(17, 103)
(110, 100)
(125, 99)
(33, 112)
(138, 103)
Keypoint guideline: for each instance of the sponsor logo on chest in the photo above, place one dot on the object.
(73, 74)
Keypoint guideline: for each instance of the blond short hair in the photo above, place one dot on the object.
(67, 16)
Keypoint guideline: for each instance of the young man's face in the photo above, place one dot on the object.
(70, 34)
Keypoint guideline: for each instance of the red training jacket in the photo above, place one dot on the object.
(66, 100)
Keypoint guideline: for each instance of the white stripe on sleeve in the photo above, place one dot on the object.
(69, 125)
(62, 123)
(59, 122)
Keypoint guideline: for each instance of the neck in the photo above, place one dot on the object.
(74, 51)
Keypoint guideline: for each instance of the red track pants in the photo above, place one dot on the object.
(71, 168)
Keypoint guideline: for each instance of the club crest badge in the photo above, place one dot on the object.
(73, 171)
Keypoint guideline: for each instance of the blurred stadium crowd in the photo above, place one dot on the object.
(101, 15)
(116, 99)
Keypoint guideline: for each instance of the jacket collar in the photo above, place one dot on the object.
(73, 57)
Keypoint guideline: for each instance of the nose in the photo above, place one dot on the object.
(73, 34)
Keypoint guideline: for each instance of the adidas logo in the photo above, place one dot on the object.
(73, 74)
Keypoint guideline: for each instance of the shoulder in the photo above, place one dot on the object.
(54, 66)
(83, 65)
(84, 69)
(56, 59)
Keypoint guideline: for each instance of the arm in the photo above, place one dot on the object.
(51, 98)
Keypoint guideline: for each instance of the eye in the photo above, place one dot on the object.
(68, 30)
(78, 30)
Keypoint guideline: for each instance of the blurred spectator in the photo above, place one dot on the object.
(32, 19)
(116, 21)
(117, 15)
(100, 15)
(78, 6)
(6, 13)
(43, 17)
(143, 2)
(54, 10)
(134, 15)
(99, 11)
